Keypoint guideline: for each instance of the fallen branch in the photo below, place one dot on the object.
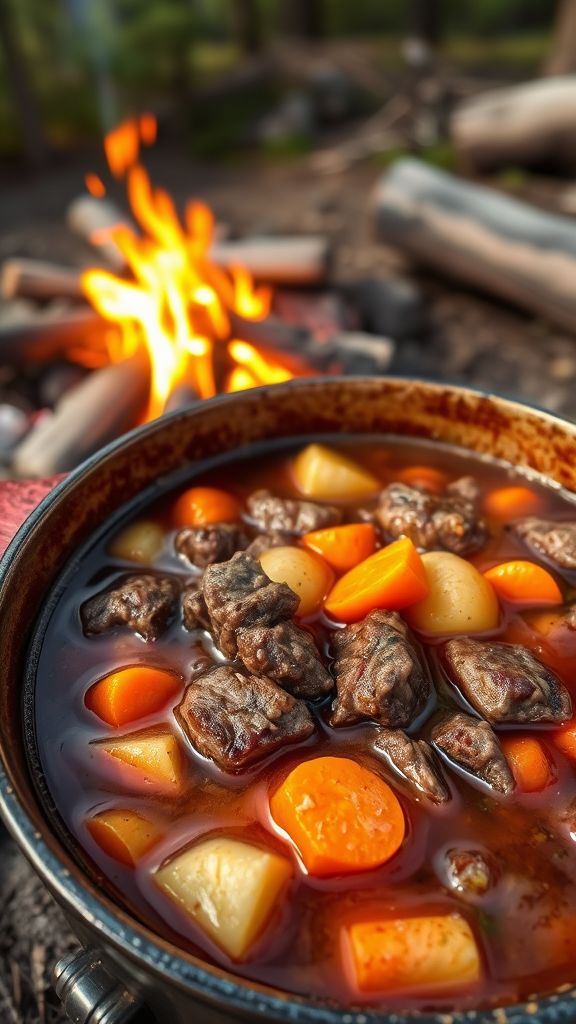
(48, 337)
(38, 279)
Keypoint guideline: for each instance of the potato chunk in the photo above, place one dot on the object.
(139, 542)
(123, 834)
(156, 755)
(407, 954)
(460, 599)
(228, 887)
(320, 472)
(307, 574)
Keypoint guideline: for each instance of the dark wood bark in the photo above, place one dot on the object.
(29, 122)
(523, 125)
(562, 59)
(482, 238)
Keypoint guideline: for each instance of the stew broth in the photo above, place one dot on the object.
(523, 924)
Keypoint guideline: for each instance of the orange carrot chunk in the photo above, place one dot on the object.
(131, 693)
(427, 477)
(343, 547)
(529, 762)
(392, 578)
(341, 817)
(565, 740)
(123, 834)
(508, 503)
(525, 582)
(201, 505)
(412, 953)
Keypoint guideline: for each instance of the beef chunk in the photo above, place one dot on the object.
(238, 594)
(265, 541)
(194, 610)
(416, 762)
(236, 719)
(567, 818)
(143, 603)
(287, 654)
(289, 515)
(505, 682)
(448, 522)
(204, 545)
(470, 872)
(379, 672)
(472, 744)
(556, 541)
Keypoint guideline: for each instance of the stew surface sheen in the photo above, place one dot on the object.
(487, 849)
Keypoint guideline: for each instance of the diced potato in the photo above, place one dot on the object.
(155, 754)
(320, 472)
(123, 834)
(460, 600)
(402, 954)
(228, 887)
(307, 574)
(140, 542)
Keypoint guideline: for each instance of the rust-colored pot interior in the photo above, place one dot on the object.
(77, 508)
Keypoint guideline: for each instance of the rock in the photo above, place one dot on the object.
(389, 306)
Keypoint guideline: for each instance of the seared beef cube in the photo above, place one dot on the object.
(237, 719)
(445, 522)
(416, 762)
(264, 541)
(287, 654)
(239, 594)
(470, 872)
(465, 487)
(379, 672)
(143, 603)
(205, 545)
(556, 541)
(505, 682)
(567, 819)
(194, 610)
(289, 515)
(472, 744)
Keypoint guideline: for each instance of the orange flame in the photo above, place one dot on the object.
(176, 301)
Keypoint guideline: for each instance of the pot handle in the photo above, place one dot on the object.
(18, 498)
(89, 994)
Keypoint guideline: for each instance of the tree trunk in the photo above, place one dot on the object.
(18, 83)
(304, 18)
(425, 21)
(562, 58)
(248, 25)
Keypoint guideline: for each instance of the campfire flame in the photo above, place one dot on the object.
(174, 300)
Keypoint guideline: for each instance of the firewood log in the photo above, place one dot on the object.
(476, 235)
(522, 125)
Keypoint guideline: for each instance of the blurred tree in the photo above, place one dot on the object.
(18, 80)
(247, 18)
(425, 20)
(562, 59)
(304, 18)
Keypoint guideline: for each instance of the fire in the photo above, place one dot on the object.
(173, 299)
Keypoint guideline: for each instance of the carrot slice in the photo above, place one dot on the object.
(123, 834)
(526, 582)
(529, 761)
(131, 693)
(201, 505)
(565, 740)
(392, 578)
(343, 547)
(402, 954)
(428, 477)
(341, 817)
(508, 503)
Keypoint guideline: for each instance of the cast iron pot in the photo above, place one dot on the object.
(176, 987)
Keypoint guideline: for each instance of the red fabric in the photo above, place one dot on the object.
(18, 498)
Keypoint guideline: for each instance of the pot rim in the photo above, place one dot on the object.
(138, 942)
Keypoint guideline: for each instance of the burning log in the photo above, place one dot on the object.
(476, 235)
(297, 259)
(50, 336)
(38, 279)
(106, 404)
(521, 125)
